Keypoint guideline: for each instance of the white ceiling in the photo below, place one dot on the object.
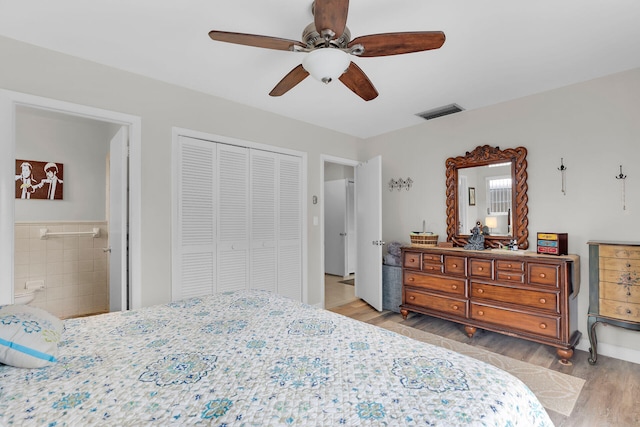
(496, 50)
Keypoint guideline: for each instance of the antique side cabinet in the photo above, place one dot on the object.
(614, 288)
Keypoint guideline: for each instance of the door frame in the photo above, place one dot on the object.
(325, 158)
(9, 100)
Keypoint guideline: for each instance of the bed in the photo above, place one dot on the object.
(252, 358)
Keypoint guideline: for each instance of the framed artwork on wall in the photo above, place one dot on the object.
(39, 180)
(472, 196)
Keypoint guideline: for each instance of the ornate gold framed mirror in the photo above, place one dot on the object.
(488, 185)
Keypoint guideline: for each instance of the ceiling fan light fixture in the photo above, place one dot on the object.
(326, 64)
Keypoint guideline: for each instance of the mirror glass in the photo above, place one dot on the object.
(489, 186)
(484, 195)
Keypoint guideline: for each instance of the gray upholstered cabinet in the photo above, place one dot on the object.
(521, 294)
(614, 288)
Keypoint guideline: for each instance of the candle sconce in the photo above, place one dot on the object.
(622, 178)
(399, 184)
(563, 172)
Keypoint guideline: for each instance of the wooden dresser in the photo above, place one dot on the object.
(614, 288)
(520, 294)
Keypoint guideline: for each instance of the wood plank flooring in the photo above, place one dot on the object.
(610, 397)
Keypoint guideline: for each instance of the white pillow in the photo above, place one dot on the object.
(29, 336)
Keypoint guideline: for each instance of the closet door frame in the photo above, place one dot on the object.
(213, 138)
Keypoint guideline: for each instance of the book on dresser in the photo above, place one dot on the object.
(518, 293)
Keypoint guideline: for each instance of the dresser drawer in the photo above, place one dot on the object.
(481, 268)
(547, 326)
(620, 310)
(514, 266)
(411, 260)
(544, 274)
(432, 258)
(510, 276)
(455, 265)
(538, 300)
(432, 268)
(452, 306)
(441, 284)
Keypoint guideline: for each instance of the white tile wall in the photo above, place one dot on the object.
(74, 268)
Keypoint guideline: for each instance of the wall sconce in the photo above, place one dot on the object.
(563, 172)
(622, 177)
(400, 183)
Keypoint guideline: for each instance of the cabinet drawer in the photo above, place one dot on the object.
(534, 299)
(620, 310)
(617, 292)
(432, 268)
(481, 268)
(435, 302)
(411, 260)
(504, 265)
(435, 283)
(547, 326)
(455, 265)
(619, 264)
(620, 251)
(544, 274)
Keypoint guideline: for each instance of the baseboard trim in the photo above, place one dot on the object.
(609, 350)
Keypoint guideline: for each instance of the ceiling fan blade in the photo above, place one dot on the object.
(294, 77)
(254, 40)
(330, 15)
(356, 80)
(399, 43)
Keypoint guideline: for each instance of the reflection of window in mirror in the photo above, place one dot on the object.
(499, 202)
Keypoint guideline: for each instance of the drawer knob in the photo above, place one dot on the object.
(543, 275)
(455, 307)
(412, 279)
(628, 311)
(454, 287)
(508, 277)
(412, 297)
(628, 265)
(509, 265)
(480, 313)
(480, 291)
(454, 265)
(429, 268)
(412, 260)
(542, 300)
(480, 268)
(543, 326)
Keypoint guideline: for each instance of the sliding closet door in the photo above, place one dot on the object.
(290, 226)
(233, 217)
(263, 196)
(195, 249)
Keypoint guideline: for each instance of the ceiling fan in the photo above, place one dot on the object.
(327, 42)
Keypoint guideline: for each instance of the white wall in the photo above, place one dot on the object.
(82, 146)
(594, 126)
(161, 107)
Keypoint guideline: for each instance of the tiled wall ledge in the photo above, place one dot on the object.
(74, 268)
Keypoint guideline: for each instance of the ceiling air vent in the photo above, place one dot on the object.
(441, 111)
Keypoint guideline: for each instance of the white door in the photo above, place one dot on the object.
(351, 227)
(369, 231)
(118, 266)
(335, 227)
(233, 218)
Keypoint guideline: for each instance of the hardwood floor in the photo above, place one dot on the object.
(610, 396)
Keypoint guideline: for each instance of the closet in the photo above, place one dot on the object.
(239, 220)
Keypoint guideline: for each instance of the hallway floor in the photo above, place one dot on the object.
(336, 293)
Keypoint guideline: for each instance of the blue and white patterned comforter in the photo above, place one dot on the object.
(256, 359)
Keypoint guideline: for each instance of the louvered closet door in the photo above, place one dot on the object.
(290, 227)
(263, 196)
(195, 246)
(233, 218)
